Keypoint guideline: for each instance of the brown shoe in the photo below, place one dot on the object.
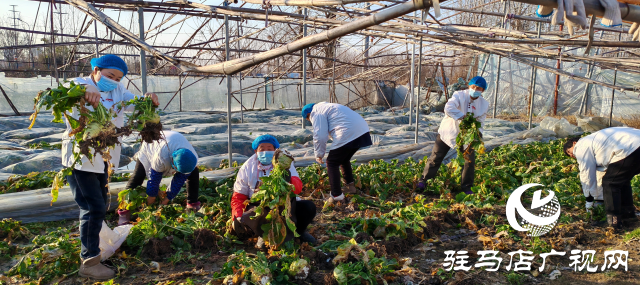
(92, 268)
(349, 189)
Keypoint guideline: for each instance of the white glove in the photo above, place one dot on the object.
(544, 11)
(611, 16)
(589, 206)
(558, 15)
(575, 16)
(635, 31)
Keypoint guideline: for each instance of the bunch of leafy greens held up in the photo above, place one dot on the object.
(93, 131)
(275, 195)
(469, 136)
(145, 118)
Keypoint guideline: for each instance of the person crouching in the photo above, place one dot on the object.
(248, 182)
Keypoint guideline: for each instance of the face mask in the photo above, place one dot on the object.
(105, 84)
(265, 157)
(474, 94)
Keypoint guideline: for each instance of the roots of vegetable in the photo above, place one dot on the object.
(157, 248)
(99, 143)
(82, 121)
(203, 239)
(151, 132)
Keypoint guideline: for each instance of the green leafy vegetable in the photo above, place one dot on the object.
(275, 195)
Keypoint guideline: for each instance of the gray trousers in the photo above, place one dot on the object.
(438, 153)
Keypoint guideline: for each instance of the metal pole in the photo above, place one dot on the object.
(613, 91)
(240, 76)
(143, 58)
(180, 90)
(228, 79)
(583, 104)
(555, 91)
(304, 67)
(495, 91)
(266, 90)
(95, 36)
(412, 81)
(485, 64)
(53, 46)
(418, 93)
(533, 83)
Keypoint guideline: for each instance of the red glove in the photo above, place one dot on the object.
(297, 183)
(237, 204)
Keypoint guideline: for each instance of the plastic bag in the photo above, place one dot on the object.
(561, 127)
(594, 124)
(537, 132)
(110, 240)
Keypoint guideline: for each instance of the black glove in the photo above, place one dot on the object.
(287, 176)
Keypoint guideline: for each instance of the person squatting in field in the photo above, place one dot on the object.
(88, 180)
(172, 155)
(616, 151)
(349, 132)
(461, 103)
(248, 182)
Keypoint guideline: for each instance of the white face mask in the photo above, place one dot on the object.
(474, 94)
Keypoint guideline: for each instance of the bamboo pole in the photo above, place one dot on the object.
(555, 90)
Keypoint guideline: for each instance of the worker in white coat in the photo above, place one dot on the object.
(88, 180)
(173, 156)
(616, 151)
(461, 103)
(349, 132)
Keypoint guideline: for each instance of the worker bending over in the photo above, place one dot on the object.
(461, 103)
(248, 182)
(616, 151)
(171, 155)
(349, 132)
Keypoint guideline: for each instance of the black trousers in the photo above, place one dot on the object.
(616, 185)
(340, 158)
(438, 153)
(303, 213)
(139, 174)
(90, 192)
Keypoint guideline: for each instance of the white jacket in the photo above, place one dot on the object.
(341, 123)
(596, 151)
(459, 105)
(109, 100)
(250, 173)
(157, 155)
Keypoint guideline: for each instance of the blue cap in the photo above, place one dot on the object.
(478, 81)
(306, 110)
(110, 61)
(184, 161)
(265, 139)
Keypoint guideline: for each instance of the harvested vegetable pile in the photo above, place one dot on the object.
(145, 119)
(275, 196)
